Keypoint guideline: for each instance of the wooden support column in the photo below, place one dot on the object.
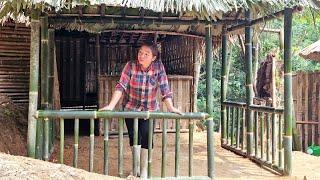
(224, 85)
(287, 138)
(249, 87)
(209, 99)
(34, 80)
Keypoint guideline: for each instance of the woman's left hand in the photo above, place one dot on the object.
(176, 110)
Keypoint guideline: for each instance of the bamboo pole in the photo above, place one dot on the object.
(233, 124)
(91, 152)
(209, 98)
(227, 124)
(177, 148)
(262, 118)
(268, 136)
(76, 143)
(33, 87)
(135, 147)
(287, 92)
(164, 148)
(274, 138)
(249, 88)
(44, 90)
(256, 118)
(46, 139)
(106, 146)
(190, 167)
(224, 85)
(150, 146)
(280, 144)
(50, 70)
(61, 140)
(238, 128)
(120, 147)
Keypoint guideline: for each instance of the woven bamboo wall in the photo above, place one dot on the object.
(182, 97)
(177, 55)
(306, 96)
(14, 61)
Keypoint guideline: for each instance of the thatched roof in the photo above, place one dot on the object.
(207, 8)
(311, 52)
(212, 10)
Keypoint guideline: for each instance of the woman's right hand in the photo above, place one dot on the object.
(106, 108)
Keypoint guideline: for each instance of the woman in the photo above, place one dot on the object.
(139, 83)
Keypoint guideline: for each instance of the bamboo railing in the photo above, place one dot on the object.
(267, 134)
(106, 115)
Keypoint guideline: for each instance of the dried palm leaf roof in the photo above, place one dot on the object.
(311, 52)
(212, 9)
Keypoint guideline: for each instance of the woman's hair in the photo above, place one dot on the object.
(153, 47)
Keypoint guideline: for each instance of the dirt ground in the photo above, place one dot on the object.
(227, 164)
(13, 123)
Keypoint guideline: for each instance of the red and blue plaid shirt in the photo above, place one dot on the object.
(140, 86)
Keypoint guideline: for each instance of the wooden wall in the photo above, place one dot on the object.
(181, 86)
(14, 62)
(306, 98)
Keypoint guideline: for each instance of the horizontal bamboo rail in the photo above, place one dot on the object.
(106, 115)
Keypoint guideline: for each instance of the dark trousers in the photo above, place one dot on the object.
(143, 132)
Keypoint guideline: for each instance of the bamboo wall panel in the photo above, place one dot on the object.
(177, 55)
(180, 86)
(14, 61)
(306, 96)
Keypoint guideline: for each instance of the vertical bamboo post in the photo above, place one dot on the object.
(249, 88)
(262, 120)
(274, 138)
(91, 152)
(135, 147)
(61, 140)
(76, 143)
(233, 124)
(34, 80)
(190, 167)
(268, 136)
(150, 136)
(227, 124)
(256, 119)
(287, 92)
(209, 99)
(224, 86)
(50, 69)
(238, 127)
(177, 149)
(164, 148)
(44, 90)
(46, 139)
(120, 147)
(280, 144)
(243, 128)
(106, 146)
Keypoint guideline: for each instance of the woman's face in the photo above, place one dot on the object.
(145, 56)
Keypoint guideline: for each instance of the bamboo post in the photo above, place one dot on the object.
(191, 128)
(135, 147)
(120, 147)
(287, 92)
(233, 112)
(50, 70)
(61, 140)
(238, 128)
(209, 99)
(44, 89)
(249, 88)
(91, 152)
(33, 87)
(164, 148)
(224, 85)
(106, 145)
(76, 143)
(177, 149)
(150, 136)
(46, 139)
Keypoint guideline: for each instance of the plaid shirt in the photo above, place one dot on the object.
(140, 86)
